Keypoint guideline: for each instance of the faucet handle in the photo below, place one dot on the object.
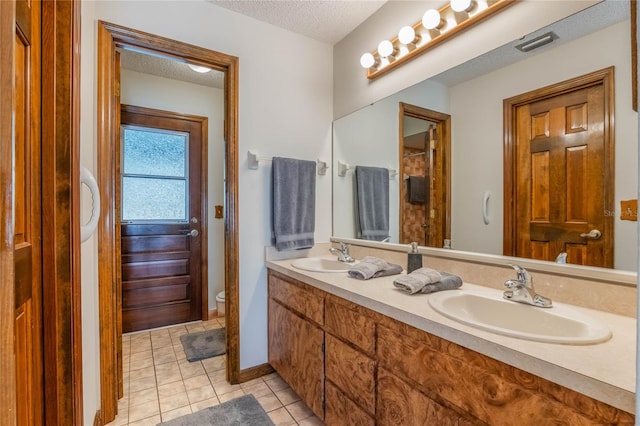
(344, 247)
(523, 275)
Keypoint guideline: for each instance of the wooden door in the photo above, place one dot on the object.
(27, 209)
(161, 217)
(562, 178)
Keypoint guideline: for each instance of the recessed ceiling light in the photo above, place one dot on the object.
(198, 68)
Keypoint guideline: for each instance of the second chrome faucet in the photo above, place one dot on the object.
(521, 290)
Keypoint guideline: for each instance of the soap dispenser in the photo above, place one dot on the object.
(414, 259)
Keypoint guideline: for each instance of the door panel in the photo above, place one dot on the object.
(27, 215)
(161, 253)
(561, 189)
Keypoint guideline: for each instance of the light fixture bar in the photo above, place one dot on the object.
(429, 38)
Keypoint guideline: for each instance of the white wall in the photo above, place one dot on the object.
(352, 89)
(89, 249)
(285, 108)
(477, 144)
(171, 95)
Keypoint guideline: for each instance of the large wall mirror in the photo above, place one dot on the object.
(472, 94)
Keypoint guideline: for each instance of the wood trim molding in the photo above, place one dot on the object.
(7, 298)
(255, 372)
(604, 77)
(111, 36)
(61, 201)
(634, 53)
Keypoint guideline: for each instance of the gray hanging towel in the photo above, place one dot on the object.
(417, 190)
(294, 203)
(372, 203)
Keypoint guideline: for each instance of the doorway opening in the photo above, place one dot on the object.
(425, 188)
(111, 38)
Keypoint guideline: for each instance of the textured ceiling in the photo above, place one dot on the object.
(322, 13)
(326, 21)
(169, 68)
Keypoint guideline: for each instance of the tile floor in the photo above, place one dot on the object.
(160, 384)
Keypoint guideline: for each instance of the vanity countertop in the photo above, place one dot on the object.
(604, 371)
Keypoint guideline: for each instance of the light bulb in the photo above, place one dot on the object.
(385, 48)
(367, 60)
(461, 5)
(431, 19)
(406, 35)
(199, 68)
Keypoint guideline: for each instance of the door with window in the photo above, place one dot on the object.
(160, 205)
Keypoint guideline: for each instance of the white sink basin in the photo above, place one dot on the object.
(322, 264)
(487, 310)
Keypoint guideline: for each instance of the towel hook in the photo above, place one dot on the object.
(343, 168)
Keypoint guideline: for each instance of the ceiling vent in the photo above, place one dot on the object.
(539, 41)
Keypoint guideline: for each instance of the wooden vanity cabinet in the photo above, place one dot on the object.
(296, 339)
(379, 371)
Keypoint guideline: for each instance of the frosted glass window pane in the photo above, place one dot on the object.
(153, 199)
(148, 152)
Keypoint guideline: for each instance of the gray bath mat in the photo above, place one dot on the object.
(242, 411)
(204, 344)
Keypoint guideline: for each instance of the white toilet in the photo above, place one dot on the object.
(220, 303)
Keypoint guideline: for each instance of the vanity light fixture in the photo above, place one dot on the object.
(435, 27)
(199, 68)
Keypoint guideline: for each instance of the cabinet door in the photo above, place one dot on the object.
(295, 352)
(351, 371)
(342, 411)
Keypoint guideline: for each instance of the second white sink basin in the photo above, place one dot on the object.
(322, 264)
(487, 310)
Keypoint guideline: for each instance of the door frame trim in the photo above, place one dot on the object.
(111, 36)
(605, 77)
(442, 120)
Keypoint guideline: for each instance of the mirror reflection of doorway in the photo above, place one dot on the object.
(425, 186)
(559, 155)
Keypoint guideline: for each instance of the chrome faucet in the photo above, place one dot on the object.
(342, 253)
(521, 290)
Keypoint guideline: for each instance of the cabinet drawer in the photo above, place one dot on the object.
(350, 325)
(352, 371)
(401, 404)
(485, 388)
(342, 411)
(297, 297)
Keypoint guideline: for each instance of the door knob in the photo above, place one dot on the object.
(594, 234)
(194, 233)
